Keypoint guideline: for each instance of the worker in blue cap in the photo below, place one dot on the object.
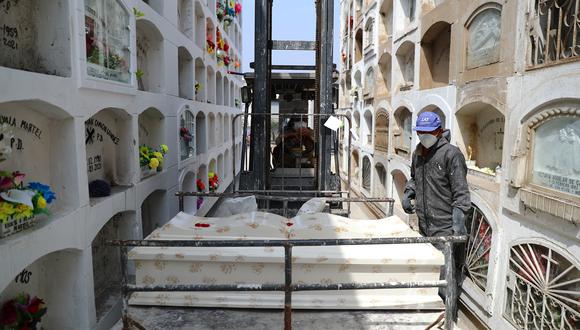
(438, 189)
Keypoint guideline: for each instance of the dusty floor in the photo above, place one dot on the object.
(200, 318)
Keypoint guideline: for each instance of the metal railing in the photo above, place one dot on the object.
(450, 281)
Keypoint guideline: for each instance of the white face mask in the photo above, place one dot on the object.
(427, 140)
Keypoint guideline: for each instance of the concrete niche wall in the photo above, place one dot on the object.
(109, 147)
(402, 134)
(185, 67)
(185, 17)
(189, 184)
(36, 36)
(187, 121)
(153, 212)
(43, 148)
(199, 37)
(157, 5)
(200, 78)
(406, 66)
(149, 57)
(435, 48)
(200, 134)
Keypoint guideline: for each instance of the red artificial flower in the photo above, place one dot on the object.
(289, 224)
(35, 305)
(200, 185)
(5, 183)
(202, 225)
(8, 314)
(226, 47)
(238, 8)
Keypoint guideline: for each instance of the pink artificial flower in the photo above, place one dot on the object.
(18, 177)
(5, 183)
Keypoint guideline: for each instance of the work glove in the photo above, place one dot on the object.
(459, 222)
(408, 202)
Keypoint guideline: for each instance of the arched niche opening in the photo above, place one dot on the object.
(185, 17)
(439, 112)
(151, 131)
(233, 95)
(398, 187)
(211, 85)
(406, 66)
(189, 185)
(382, 131)
(368, 131)
(219, 128)
(358, 46)
(219, 89)
(107, 265)
(200, 79)
(210, 36)
(42, 139)
(384, 83)
(200, 134)
(484, 37)
(199, 38)
(186, 73)
(227, 100)
(153, 212)
(380, 182)
(386, 26)
(355, 168)
(405, 14)
(481, 133)
(369, 37)
(227, 165)
(369, 87)
(402, 132)
(540, 273)
(187, 134)
(366, 174)
(220, 167)
(29, 39)
(212, 130)
(39, 278)
(435, 48)
(157, 5)
(109, 147)
(356, 125)
(238, 156)
(149, 57)
(227, 128)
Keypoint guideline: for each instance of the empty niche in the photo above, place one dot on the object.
(356, 126)
(151, 134)
(200, 80)
(368, 132)
(220, 128)
(187, 134)
(355, 168)
(380, 183)
(149, 57)
(109, 144)
(484, 36)
(227, 164)
(406, 64)
(185, 17)
(386, 26)
(35, 36)
(220, 166)
(153, 212)
(384, 83)
(398, 188)
(369, 38)
(189, 185)
(435, 48)
(227, 128)
(481, 134)
(212, 130)
(369, 87)
(107, 264)
(405, 14)
(219, 89)
(227, 100)
(402, 134)
(185, 66)
(42, 139)
(211, 92)
(382, 131)
(200, 134)
(39, 278)
(366, 174)
(199, 38)
(358, 50)
(157, 5)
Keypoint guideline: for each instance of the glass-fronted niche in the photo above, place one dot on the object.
(107, 40)
(556, 154)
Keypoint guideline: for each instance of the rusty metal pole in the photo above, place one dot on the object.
(288, 286)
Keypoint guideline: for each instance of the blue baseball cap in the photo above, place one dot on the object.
(427, 122)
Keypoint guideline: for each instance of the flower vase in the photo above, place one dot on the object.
(13, 226)
(147, 171)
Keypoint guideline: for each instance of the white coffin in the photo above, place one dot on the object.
(259, 265)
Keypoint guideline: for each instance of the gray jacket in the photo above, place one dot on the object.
(438, 183)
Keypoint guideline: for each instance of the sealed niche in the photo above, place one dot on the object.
(484, 35)
(35, 36)
(107, 40)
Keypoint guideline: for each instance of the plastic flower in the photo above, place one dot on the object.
(200, 185)
(48, 195)
(144, 151)
(18, 177)
(154, 163)
(6, 211)
(164, 148)
(5, 183)
(158, 155)
(41, 202)
(22, 211)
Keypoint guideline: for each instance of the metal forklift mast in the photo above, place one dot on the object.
(262, 89)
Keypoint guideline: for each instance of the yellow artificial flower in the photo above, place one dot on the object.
(143, 151)
(23, 211)
(164, 148)
(41, 202)
(6, 210)
(158, 155)
(154, 163)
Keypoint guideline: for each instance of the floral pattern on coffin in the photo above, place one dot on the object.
(259, 265)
